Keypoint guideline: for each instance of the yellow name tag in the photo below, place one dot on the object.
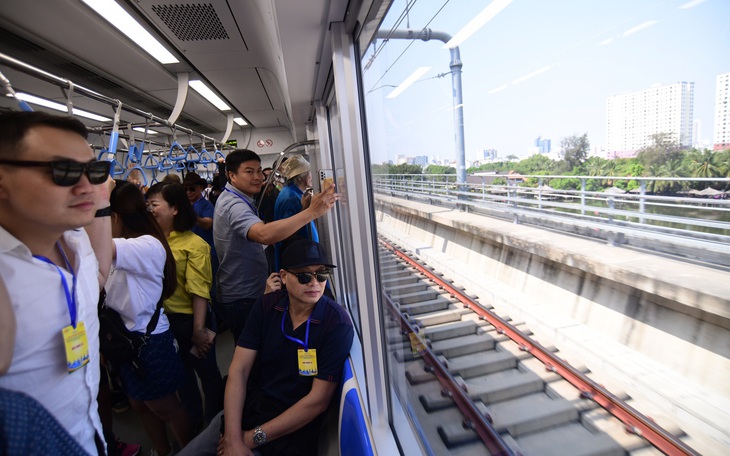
(77, 346)
(308, 362)
(417, 347)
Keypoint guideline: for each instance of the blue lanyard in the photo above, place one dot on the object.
(70, 294)
(244, 200)
(304, 344)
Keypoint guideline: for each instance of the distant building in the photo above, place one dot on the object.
(400, 159)
(721, 138)
(420, 160)
(632, 118)
(489, 154)
(542, 145)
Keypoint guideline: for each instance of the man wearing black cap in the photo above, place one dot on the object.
(287, 364)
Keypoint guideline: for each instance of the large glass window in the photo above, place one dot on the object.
(485, 87)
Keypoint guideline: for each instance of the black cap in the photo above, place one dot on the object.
(192, 178)
(302, 253)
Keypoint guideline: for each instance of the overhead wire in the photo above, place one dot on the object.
(390, 33)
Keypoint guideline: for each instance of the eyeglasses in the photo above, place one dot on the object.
(306, 277)
(66, 173)
(191, 189)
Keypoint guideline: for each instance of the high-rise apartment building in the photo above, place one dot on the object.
(721, 137)
(632, 118)
(542, 145)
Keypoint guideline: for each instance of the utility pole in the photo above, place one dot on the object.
(455, 65)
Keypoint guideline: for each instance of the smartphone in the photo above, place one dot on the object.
(326, 179)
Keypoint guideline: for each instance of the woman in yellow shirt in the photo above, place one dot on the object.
(187, 308)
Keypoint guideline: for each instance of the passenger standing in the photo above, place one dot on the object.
(51, 185)
(26, 427)
(204, 209)
(187, 308)
(143, 272)
(240, 236)
(293, 199)
(265, 201)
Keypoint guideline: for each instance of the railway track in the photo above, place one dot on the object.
(477, 383)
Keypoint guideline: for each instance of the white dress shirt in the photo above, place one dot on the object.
(39, 366)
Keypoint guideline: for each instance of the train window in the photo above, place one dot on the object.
(451, 86)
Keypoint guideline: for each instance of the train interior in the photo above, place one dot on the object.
(171, 87)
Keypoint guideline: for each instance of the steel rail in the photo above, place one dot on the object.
(473, 418)
(633, 420)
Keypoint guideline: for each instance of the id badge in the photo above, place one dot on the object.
(307, 362)
(417, 347)
(77, 346)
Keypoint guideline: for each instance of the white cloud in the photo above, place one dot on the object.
(691, 4)
(639, 28)
(531, 75)
(498, 89)
(605, 42)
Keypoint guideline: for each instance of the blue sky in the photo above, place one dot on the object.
(540, 67)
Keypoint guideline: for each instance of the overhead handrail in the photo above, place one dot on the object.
(176, 158)
(190, 157)
(78, 89)
(165, 166)
(69, 98)
(9, 91)
(154, 180)
(218, 154)
(150, 162)
(114, 136)
(179, 165)
(205, 157)
(116, 168)
(141, 171)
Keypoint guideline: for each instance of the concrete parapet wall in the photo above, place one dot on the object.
(676, 313)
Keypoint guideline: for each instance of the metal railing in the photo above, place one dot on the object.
(690, 223)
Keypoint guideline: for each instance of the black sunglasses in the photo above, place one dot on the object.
(66, 173)
(306, 277)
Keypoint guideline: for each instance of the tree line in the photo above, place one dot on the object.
(663, 158)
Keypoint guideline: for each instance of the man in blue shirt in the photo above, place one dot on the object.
(292, 199)
(287, 364)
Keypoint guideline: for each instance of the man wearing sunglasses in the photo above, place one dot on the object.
(50, 186)
(296, 340)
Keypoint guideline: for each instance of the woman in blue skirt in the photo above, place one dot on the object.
(143, 272)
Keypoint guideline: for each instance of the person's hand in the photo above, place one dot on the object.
(306, 198)
(323, 201)
(273, 283)
(102, 192)
(202, 342)
(231, 446)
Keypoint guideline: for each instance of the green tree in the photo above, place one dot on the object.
(380, 168)
(664, 148)
(439, 169)
(594, 166)
(537, 164)
(404, 168)
(705, 163)
(575, 149)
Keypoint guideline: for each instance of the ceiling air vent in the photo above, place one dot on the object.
(192, 22)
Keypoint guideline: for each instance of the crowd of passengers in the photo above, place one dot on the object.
(179, 264)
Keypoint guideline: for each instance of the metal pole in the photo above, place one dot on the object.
(427, 34)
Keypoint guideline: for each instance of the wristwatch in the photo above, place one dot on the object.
(259, 436)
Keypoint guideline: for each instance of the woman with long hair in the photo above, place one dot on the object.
(187, 308)
(143, 272)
